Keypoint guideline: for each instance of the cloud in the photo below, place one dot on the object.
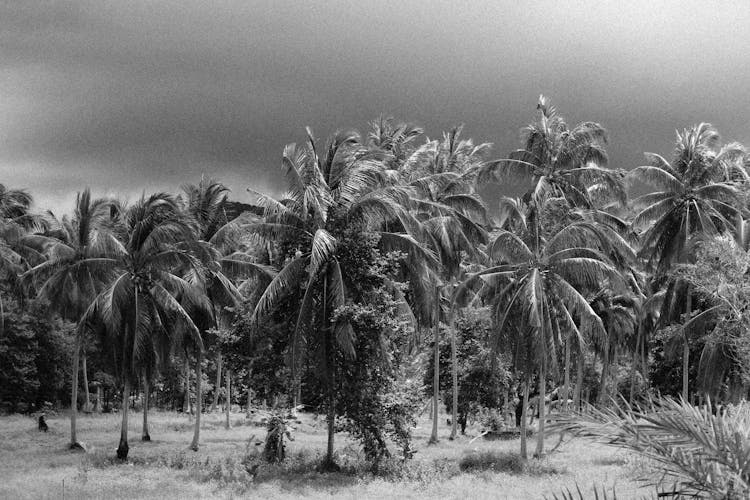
(126, 96)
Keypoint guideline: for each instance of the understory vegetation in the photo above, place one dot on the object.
(389, 281)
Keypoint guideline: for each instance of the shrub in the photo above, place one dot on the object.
(492, 460)
(275, 449)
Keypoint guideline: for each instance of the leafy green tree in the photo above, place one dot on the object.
(347, 187)
(483, 380)
(382, 396)
(35, 353)
(719, 277)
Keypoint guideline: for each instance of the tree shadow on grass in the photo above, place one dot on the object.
(299, 483)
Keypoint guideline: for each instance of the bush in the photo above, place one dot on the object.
(275, 449)
(492, 460)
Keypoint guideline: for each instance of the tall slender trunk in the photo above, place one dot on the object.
(87, 404)
(249, 401)
(542, 406)
(566, 382)
(436, 370)
(249, 390)
(122, 448)
(74, 394)
(633, 365)
(331, 417)
(579, 380)
(605, 372)
(506, 406)
(454, 373)
(644, 360)
(198, 399)
(218, 382)
(686, 346)
(296, 388)
(145, 436)
(186, 400)
(98, 405)
(297, 395)
(524, 417)
(229, 396)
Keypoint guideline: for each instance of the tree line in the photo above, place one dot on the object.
(382, 277)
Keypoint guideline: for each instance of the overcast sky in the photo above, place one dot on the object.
(124, 96)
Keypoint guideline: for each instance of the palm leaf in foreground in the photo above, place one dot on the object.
(708, 455)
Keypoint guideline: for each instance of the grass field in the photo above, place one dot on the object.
(37, 465)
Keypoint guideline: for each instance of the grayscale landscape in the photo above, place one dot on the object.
(254, 249)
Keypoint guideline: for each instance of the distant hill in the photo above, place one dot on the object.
(235, 208)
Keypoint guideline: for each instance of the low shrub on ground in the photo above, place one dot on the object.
(507, 462)
(491, 460)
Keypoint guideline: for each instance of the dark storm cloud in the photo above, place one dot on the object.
(126, 96)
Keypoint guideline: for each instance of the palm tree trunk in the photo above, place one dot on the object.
(145, 436)
(122, 448)
(331, 417)
(297, 395)
(644, 361)
(74, 394)
(331, 420)
(524, 418)
(229, 396)
(249, 401)
(579, 380)
(633, 367)
(566, 382)
(249, 390)
(198, 399)
(686, 346)
(218, 382)
(87, 404)
(542, 406)
(454, 370)
(605, 371)
(186, 400)
(436, 370)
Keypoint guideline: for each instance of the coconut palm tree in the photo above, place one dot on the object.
(453, 216)
(144, 310)
(536, 285)
(618, 315)
(20, 248)
(79, 253)
(348, 186)
(558, 161)
(216, 245)
(397, 139)
(697, 196)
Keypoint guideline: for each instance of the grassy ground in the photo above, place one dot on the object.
(38, 465)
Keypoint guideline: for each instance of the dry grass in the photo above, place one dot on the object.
(37, 465)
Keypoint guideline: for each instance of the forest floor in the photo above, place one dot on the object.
(39, 465)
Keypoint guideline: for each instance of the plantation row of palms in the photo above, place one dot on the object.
(571, 267)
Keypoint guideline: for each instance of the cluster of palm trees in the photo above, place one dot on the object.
(149, 279)
(569, 268)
